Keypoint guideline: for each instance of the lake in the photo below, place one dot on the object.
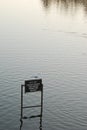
(48, 39)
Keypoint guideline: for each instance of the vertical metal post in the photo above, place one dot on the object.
(40, 123)
(41, 108)
(21, 103)
(42, 100)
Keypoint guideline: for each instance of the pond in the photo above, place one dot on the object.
(45, 39)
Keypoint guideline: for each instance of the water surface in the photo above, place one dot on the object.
(48, 39)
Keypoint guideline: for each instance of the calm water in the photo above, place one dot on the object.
(45, 38)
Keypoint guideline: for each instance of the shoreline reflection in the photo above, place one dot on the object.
(66, 4)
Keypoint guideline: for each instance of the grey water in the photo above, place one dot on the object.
(48, 39)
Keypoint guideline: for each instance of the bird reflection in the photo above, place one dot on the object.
(40, 123)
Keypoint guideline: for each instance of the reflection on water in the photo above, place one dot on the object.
(50, 45)
(40, 123)
(66, 4)
(66, 14)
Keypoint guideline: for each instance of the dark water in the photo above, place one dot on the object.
(45, 38)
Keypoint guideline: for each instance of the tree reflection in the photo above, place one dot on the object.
(66, 4)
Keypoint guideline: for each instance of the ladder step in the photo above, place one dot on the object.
(25, 117)
(31, 106)
(34, 116)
